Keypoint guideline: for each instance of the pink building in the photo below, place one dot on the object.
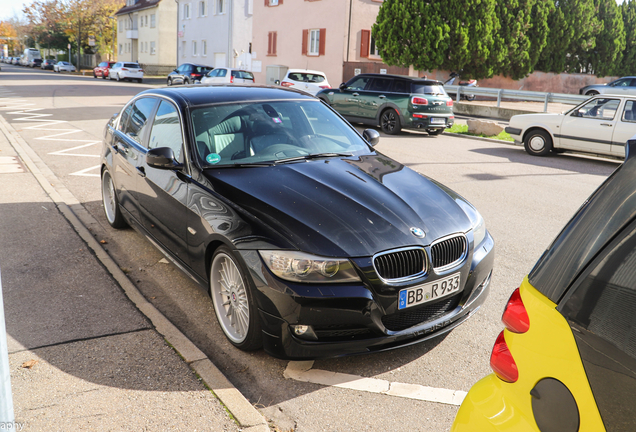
(332, 36)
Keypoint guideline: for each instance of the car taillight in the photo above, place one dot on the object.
(501, 361)
(515, 316)
(449, 102)
(141, 70)
(419, 101)
(195, 75)
(325, 87)
(232, 79)
(124, 69)
(419, 116)
(286, 84)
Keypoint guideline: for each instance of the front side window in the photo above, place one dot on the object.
(623, 82)
(166, 130)
(265, 132)
(357, 84)
(598, 109)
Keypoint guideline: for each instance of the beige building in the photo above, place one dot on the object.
(147, 33)
(332, 36)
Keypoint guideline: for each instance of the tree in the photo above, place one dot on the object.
(605, 58)
(46, 23)
(628, 63)
(573, 28)
(8, 35)
(522, 37)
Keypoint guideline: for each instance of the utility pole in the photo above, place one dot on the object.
(6, 400)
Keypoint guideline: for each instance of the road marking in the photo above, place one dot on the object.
(302, 371)
(85, 172)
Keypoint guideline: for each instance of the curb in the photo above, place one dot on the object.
(478, 138)
(241, 409)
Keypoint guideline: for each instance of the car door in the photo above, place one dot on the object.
(625, 127)
(373, 97)
(601, 311)
(162, 193)
(623, 86)
(590, 127)
(346, 100)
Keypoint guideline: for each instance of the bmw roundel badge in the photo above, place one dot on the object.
(418, 232)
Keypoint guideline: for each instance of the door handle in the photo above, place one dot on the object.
(382, 97)
(141, 171)
(607, 124)
(355, 94)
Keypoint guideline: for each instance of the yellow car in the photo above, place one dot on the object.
(566, 361)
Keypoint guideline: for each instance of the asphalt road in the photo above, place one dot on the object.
(524, 200)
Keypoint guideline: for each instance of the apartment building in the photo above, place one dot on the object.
(215, 33)
(147, 34)
(333, 36)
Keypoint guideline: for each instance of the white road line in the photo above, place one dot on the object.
(85, 172)
(302, 371)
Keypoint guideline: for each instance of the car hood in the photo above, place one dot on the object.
(345, 207)
(523, 120)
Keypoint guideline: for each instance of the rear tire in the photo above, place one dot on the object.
(591, 93)
(234, 305)
(111, 202)
(94, 75)
(435, 132)
(390, 122)
(537, 142)
(470, 98)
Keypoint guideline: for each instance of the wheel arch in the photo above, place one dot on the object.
(537, 127)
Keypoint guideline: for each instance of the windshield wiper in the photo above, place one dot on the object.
(240, 165)
(311, 156)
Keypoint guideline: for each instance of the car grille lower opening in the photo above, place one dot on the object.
(340, 333)
(449, 252)
(401, 264)
(408, 318)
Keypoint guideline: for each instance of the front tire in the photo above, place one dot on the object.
(233, 303)
(111, 202)
(118, 78)
(94, 75)
(390, 122)
(591, 93)
(537, 142)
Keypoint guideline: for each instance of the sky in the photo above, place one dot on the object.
(10, 8)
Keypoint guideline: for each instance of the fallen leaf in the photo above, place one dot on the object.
(103, 241)
(29, 364)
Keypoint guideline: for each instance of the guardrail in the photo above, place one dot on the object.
(564, 98)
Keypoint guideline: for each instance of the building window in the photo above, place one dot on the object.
(183, 48)
(152, 48)
(146, 20)
(121, 49)
(186, 11)
(271, 44)
(152, 21)
(373, 48)
(146, 46)
(202, 9)
(220, 6)
(204, 48)
(314, 42)
(273, 2)
(194, 48)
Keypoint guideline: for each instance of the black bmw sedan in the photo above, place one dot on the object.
(310, 243)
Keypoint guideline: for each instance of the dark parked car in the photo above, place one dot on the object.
(393, 102)
(187, 73)
(101, 70)
(566, 360)
(48, 64)
(35, 62)
(310, 242)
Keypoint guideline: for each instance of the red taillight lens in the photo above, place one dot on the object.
(195, 75)
(324, 87)
(232, 79)
(124, 69)
(449, 102)
(419, 101)
(515, 316)
(286, 84)
(419, 116)
(501, 360)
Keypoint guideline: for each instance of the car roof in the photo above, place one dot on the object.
(305, 71)
(203, 94)
(410, 78)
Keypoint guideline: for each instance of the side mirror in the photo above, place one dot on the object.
(162, 158)
(342, 86)
(277, 82)
(372, 136)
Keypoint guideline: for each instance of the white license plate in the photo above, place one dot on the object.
(437, 120)
(417, 295)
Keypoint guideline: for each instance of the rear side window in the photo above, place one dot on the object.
(139, 116)
(243, 75)
(400, 86)
(602, 312)
(202, 70)
(380, 84)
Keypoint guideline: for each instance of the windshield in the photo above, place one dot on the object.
(271, 132)
(428, 89)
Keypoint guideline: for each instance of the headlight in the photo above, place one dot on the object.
(479, 231)
(303, 267)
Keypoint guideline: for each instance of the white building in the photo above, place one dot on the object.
(215, 33)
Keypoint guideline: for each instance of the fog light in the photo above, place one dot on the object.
(304, 332)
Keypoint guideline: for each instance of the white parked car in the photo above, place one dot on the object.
(309, 81)
(228, 75)
(126, 71)
(63, 66)
(600, 125)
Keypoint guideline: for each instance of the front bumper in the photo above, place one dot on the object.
(355, 319)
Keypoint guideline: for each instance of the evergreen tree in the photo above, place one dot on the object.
(605, 58)
(573, 28)
(628, 61)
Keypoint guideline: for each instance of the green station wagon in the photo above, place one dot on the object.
(393, 102)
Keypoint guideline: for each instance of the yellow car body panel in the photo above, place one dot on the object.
(547, 350)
